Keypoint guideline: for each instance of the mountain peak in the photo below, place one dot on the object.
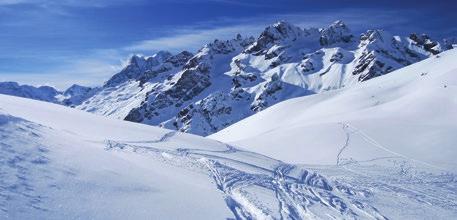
(338, 23)
(75, 88)
(337, 32)
(373, 35)
(180, 58)
(279, 31)
(161, 55)
(227, 80)
(136, 60)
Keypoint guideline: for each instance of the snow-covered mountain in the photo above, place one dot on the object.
(73, 96)
(59, 162)
(412, 111)
(378, 150)
(76, 94)
(396, 131)
(381, 149)
(43, 93)
(226, 81)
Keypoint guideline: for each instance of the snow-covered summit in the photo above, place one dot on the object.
(137, 66)
(337, 32)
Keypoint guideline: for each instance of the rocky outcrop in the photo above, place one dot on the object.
(425, 42)
(337, 32)
(137, 66)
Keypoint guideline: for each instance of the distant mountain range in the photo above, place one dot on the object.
(229, 80)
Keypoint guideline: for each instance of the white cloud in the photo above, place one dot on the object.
(193, 39)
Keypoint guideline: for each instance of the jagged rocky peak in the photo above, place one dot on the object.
(221, 46)
(279, 31)
(338, 32)
(136, 60)
(244, 41)
(227, 46)
(282, 30)
(218, 47)
(371, 36)
(143, 61)
(180, 58)
(425, 42)
(158, 58)
(420, 39)
(136, 66)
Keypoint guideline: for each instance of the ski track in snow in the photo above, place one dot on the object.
(352, 130)
(298, 193)
(444, 182)
(346, 142)
(253, 186)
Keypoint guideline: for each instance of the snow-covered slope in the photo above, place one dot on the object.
(226, 81)
(61, 163)
(396, 131)
(391, 158)
(409, 113)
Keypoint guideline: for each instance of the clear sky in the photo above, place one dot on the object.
(61, 42)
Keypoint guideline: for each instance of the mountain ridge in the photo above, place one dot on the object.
(228, 80)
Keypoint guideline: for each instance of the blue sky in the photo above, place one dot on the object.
(61, 42)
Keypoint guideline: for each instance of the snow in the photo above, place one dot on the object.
(392, 138)
(55, 165)
(63, 163)
(410, 111)
(233, 79)
(382, 149)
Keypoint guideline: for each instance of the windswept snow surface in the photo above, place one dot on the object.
(394, 136)
(62, 163)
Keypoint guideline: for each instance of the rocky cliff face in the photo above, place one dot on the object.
(228, 80)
